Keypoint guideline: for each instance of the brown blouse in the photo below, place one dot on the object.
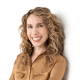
(36, 71)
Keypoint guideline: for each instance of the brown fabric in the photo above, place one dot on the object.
(37, 71)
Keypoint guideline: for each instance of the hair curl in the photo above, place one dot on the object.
(55, 40)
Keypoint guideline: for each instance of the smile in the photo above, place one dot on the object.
(36, 39)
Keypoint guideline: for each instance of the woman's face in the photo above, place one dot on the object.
(36, 31)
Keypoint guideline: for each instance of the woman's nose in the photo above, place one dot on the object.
(34, 31)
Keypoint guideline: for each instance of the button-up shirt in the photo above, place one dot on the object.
(37, 71)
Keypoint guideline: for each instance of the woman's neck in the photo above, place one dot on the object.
(38, 50)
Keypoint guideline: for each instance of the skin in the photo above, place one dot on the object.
(36, 27)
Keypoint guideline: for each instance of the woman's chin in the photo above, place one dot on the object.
(36, 45)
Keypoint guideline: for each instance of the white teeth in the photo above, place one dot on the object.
(36, 38)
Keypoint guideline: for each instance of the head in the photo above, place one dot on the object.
(37, 31)
(40, 22)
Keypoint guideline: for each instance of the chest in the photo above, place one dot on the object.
(33, 58)
(38, 65)
(36, 70)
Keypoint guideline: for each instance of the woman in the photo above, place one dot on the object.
(41, 48)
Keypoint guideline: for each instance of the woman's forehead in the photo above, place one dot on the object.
(34, 19)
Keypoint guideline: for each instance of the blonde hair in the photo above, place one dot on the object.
(55, 40)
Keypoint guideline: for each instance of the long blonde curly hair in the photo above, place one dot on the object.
(54, 42)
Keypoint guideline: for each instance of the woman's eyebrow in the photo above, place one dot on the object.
(36, 24)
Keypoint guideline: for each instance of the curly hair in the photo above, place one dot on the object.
(55, 39)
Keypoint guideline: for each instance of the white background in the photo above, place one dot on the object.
(11, 12)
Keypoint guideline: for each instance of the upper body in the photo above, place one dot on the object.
(42, 46)
(36, 70)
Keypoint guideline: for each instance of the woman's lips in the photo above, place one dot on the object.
(36, 40)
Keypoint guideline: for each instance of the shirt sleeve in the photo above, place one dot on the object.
(13, 70)
(58, 70)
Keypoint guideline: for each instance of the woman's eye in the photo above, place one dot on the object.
(41, 25)
(29, 26)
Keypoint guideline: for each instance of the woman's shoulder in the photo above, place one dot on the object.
(19, 56)
(59, 57)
